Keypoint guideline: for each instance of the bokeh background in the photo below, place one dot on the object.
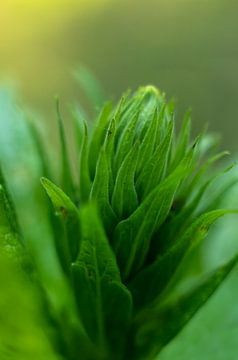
(188, 48)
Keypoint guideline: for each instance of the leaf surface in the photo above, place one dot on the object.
(152, 281)
(104, 302)
(155, 327)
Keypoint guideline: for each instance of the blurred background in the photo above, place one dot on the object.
(188, 48)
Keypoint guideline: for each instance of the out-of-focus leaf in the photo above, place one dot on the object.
(22, 167)
(84, 176)
(68, 212)
(164, 321)
(90, 85)
(24, 332)
(10, 244)
(156, 277)
(183, 140)
(66, 175)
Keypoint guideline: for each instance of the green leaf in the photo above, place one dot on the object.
(150, 106)
(148, 142)
(132, 236)
(66, 176)
(68, 212)
(156, 326)
(84, 176)
(155, 167)
(128, 108)
(23, 168)
(189, 188)
(183, 140)
(78, 117)
(90, 85)
(46, 170)
(108, 146)
(155, 278)
(9, 206)
(98, 136)
(124, 198)
(24, 330)
(100, 191)
(103, 301)
(125, 142)
(10, 244)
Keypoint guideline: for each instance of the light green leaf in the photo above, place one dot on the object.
(66, 176)
(90, 85)
(68, 212)
(10, 243)
(24, 331)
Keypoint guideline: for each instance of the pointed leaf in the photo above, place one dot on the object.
(156, 277)
(132, 236)
(100, 191)
(148, 142)
(125, 142)
(157, 326)
(84, 176)
(68, 212)
(124, 198)
(98, 136)
(67, 182)
(104, 303)
(154, 168)
(183, 140)
(10, 244)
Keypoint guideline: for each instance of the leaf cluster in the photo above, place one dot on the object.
(120, 230)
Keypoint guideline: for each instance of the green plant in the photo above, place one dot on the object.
(108, 286)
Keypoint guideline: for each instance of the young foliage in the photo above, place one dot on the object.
(105, 255)
(98, 286)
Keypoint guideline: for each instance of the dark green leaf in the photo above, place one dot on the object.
(124, 198)
(155, 327)
(104, 303)
(132, 236)
(153, 280)
(183, 140)
(100, 191)
(125, 142)
(155, 166)
(98, 136)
